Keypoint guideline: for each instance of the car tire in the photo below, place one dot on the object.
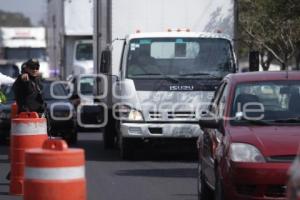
(72, 137)
(204, 192)
(126, 149)
(219, 189)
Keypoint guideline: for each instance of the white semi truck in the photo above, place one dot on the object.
(163, 60)
(18, 44)
(69, 36)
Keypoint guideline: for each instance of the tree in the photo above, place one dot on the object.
(272, 27)
(10, 19)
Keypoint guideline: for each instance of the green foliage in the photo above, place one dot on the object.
(271, 26)
(2, 97)
(9, 19)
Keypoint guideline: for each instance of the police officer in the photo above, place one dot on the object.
(28, 90)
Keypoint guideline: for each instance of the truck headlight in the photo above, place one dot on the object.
(135, 115)
(241, 152)
(125, 112)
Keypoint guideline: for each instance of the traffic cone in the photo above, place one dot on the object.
(54, 172)
(27, 131)
(14, 110)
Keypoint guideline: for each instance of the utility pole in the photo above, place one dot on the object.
(236, 29)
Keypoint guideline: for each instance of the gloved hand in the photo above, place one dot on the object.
(25, 77)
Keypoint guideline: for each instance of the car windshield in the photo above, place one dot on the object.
(84, 51)
(10, 70)
(271, 102)
(179, 57)
(57, 90)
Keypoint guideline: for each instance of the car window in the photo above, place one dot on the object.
(57, 90)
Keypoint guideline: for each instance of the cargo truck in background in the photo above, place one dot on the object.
(18, 44)
(163, 60)
(69, 36)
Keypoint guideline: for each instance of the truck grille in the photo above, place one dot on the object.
(176, 115)
(155, 115)
(181, 115)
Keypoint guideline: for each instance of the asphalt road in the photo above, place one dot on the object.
(155, 175)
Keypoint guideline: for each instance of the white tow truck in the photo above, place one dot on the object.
(163, 61)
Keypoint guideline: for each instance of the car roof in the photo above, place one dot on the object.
(263, 76)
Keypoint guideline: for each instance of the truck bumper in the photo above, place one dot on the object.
(155, 130)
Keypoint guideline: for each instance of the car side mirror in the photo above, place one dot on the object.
(210, 121)
(105, 61)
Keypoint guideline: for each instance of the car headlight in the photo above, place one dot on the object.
(124, 112)
(240, 152)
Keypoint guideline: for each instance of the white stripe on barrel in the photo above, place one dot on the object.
(28, 128)
(59, 173)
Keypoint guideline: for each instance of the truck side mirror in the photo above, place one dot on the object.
(105, 61)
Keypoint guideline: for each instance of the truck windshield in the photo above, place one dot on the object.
(179, 57)
(25, 53)
(84, 51)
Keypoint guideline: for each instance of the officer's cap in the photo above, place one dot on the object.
(32, 63)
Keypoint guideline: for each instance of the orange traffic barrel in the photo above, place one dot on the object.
(14, 110)
(14, 114)
(27, 131)
(54, 172)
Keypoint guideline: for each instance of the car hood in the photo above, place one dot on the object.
(270, 140)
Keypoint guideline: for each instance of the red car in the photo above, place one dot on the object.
(294, 180)
(251, 133)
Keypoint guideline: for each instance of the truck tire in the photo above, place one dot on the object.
(72, 137)
(109, 135)
(126, 149)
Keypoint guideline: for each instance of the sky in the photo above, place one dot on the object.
(36, 10)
